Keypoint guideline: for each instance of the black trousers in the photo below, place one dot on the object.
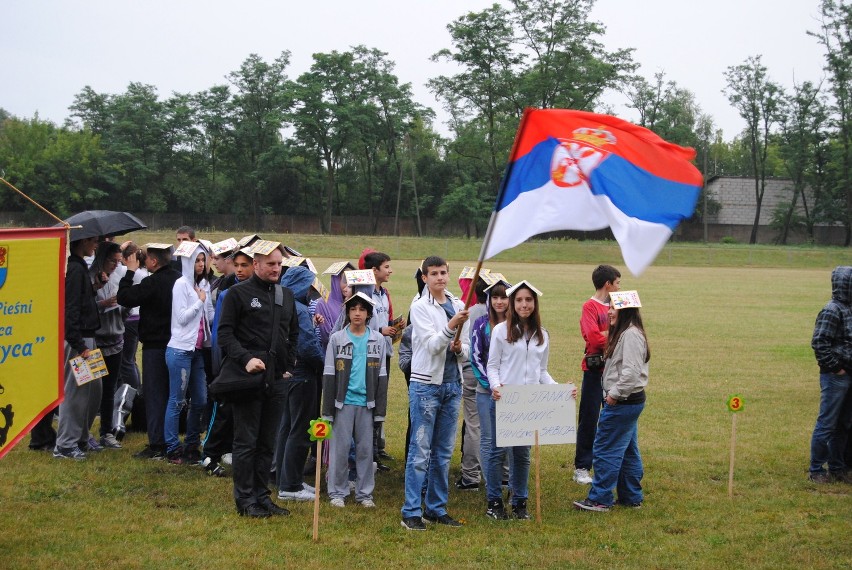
(256, 424)
(220, 433)
(110, 382)
(294, 442)
(591, 400)
(155, 387)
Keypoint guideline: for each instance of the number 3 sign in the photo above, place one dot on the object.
(736, 403)
(320, 429)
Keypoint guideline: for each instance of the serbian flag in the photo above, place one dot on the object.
(574, 170)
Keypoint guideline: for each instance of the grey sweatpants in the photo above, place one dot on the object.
(351, 421)
(471, 469)
(80, 406)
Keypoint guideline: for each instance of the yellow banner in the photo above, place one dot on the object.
(32, 322)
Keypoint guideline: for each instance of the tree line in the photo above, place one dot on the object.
(346, 136)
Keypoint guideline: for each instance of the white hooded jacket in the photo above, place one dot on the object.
(187, 309)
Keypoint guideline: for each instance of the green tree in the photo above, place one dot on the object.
(835, 35)
(757, 99)
(261, 100)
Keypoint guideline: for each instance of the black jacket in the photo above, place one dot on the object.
(81, 308)
(245, 325)
(153, 296)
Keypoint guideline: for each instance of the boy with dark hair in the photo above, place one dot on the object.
(153, 296)
(354, 367)
(434, 396)
(382, 316)
(593, 326)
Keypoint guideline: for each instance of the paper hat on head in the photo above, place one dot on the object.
(359, 295)
(208, 245)
(492, 278)
(160, 246)
(225, 247)
(503, 282)
(248, 240)
(524, 283)
(292, 252)
(360, 277)
(319, 290)
(189, 248)
(468, 273)
(625, 299)
(243, 251)
(296, 260)
(265, 247)
(337, 268)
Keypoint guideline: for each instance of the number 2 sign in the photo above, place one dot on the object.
(320, 429)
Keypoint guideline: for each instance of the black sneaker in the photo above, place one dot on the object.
(382, 467)
(70, 453)
(463, 485)
(275, 510)
(213, 468)
(840, 477)
(519, 510)
(819, 477)
(589, 505)
(627, 505)
(151, 452)
(385, 455)
(496, 510)
(445, 520)
(255, 512)
(413, 523)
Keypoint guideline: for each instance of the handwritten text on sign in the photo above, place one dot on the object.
(549, 408)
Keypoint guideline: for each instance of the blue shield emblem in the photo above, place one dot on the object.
(4, 263)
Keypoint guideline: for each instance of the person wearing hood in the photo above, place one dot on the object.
(192, 312)
(81, 403)
(832, 345)
(293, 442)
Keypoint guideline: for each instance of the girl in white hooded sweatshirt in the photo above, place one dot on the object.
(518, 355)
(192, 313)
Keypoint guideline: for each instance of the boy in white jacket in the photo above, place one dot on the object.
(434, 396)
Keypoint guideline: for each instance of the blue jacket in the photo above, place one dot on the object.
(308, 351)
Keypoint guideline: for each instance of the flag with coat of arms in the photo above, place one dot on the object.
(575, 170)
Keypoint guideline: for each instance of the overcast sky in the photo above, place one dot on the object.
(51, 49)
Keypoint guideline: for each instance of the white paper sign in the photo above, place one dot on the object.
(548, 408)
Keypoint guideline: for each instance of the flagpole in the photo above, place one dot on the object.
(487, 239)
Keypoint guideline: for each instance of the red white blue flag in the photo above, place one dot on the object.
(574, 170)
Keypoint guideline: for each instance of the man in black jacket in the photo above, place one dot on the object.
(245, 334)
(153, 296)
(81, 403)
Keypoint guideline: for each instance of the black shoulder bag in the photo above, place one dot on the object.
(234, 383)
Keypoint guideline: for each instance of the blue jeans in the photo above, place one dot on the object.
(487, 427)
(617, 462)
(434, 417)
(828, 443)
(186, 376)
(494, 458)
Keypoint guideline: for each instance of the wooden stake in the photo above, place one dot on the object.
(733, 447)
(537, 481)
(317, 490)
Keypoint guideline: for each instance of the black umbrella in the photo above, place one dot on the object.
(102, 223)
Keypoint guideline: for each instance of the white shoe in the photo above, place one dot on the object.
(302, 495)
(226, 459)
(582, 477)
(337, 502)
(367, 504)
(308, 488)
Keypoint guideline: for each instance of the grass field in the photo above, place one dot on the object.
(715, 326)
